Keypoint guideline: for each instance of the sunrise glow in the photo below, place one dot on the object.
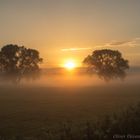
(70, 65)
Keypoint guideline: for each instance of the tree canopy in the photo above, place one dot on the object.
(16, 59)
(108, 64)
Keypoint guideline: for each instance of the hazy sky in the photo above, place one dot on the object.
(63, 29)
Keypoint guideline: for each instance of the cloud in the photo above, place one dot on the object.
(129, 43)
(112, 44)
(76, 49)
(116, 43)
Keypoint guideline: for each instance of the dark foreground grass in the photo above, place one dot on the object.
(68, 112)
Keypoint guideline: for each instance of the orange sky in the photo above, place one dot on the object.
(72, 29)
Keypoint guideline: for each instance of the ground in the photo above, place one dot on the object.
(27, 110)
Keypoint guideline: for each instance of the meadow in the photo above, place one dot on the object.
(29, 109)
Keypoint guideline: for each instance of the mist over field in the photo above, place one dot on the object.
(60, 77)
(57, 96)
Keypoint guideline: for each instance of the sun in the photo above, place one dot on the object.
(70, 65)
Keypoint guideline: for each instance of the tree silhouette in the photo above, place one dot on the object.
(108, 64)
(18, 60)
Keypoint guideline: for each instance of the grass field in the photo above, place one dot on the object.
(54, 99)
(27, 110)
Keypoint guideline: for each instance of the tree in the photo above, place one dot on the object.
(18, 60)
(108, 64)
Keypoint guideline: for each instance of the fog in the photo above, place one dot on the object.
(47, 100)
(65, 78)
